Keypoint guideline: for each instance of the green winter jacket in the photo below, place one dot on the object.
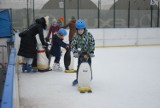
(83, 43)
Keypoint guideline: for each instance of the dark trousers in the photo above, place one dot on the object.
(57, 59)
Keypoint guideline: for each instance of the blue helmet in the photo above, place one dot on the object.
(62, 31)
(80, 24)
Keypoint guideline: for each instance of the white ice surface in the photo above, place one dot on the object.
(126, 77)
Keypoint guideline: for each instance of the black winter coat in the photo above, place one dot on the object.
(56, 46)
(28, 40)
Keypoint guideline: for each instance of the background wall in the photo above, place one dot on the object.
(119, 36)
(126, 36)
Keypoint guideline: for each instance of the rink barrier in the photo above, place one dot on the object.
(123, 37)
(117, 37)
(7, 96)
(127, 46)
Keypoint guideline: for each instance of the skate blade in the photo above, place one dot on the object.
(24, 71)
(45, 70)
(56, 70)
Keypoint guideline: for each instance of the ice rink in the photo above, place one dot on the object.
(123, 77)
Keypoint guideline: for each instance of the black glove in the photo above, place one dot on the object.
(47, 39)
(67, 47)
(45, 45)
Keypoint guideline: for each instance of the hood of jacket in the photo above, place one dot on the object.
(42, 22)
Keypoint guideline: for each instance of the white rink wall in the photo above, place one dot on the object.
(119, 36)
(124, 36)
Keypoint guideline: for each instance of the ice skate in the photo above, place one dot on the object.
(24, 68)
(31, 69)
(56, 67)
(75, 82)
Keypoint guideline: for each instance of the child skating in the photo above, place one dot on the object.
(56, 48)
(83, 43)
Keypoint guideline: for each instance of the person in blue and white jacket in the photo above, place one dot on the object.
(82, 41)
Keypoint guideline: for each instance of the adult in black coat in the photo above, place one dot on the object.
(28, 41)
